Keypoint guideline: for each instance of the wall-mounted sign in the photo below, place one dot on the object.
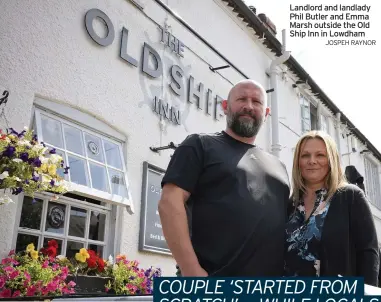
(151, 236)
(151, 64)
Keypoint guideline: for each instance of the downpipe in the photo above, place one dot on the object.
(276, 146)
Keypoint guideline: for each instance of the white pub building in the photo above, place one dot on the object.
(115, 85)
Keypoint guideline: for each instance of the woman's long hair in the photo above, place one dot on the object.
(335, 178)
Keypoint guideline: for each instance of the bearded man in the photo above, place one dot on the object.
(224, 201)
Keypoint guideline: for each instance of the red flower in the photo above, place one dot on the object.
(92, 262)
(92, 253)
(53, 243)
(101, 265)
(50, 251)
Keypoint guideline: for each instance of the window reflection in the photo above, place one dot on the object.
(78, 171)
(55, 218)
(77, 224)
(113, 155)
(72, 248)
(97, 226)
(51, 131)
(31, 213)
(73, 138)
(23, 240)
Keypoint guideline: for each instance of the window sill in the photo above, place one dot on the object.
(103, 196)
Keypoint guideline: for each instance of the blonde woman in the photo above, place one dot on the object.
(330, 230)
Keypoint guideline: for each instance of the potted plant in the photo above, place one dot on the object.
(28, 166)
(88, 270)
(129, 279)
(31, 273)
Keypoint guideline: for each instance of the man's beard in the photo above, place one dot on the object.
(244, 128)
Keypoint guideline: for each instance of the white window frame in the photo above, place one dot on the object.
(305, 106)
(372, 181)
(305, 120)
(112, 205)
(324, 123)
(68, 202)
(81, 189)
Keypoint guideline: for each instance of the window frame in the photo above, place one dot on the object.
(304, 105)
(107, 197)
(372, 181)
(69, 202)
(81, 119)
(324, 120)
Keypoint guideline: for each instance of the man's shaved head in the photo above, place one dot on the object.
(248, 82)
(246, 108)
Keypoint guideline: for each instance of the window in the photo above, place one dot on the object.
(324, 123)
(372, 182)
(96, 162)
(314, 117)
(309, 116)
(83, 217)
(72, 222)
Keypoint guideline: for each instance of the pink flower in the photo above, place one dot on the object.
(44, 291)
(27, 276)
(45, 264)
(9, 261)
(13, 275)
(17, 293)
(68, 291)
(12, 252)
(131, 287)
(2, 282)
(6, 293)
(52, 286)
(71, 284)
(9, 269)
(31, 291)
(64, 272)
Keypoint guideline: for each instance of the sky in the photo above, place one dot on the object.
(347, 74)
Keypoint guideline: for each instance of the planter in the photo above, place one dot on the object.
(88, 284)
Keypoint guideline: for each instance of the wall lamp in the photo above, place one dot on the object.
(364, 151)
(269, 90)
(171, 145)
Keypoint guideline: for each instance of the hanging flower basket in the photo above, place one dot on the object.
(28, 166)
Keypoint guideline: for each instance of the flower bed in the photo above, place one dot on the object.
(43, 273)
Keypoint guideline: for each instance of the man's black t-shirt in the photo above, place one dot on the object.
(238, 204)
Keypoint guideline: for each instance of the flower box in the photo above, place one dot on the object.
(88, 284)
